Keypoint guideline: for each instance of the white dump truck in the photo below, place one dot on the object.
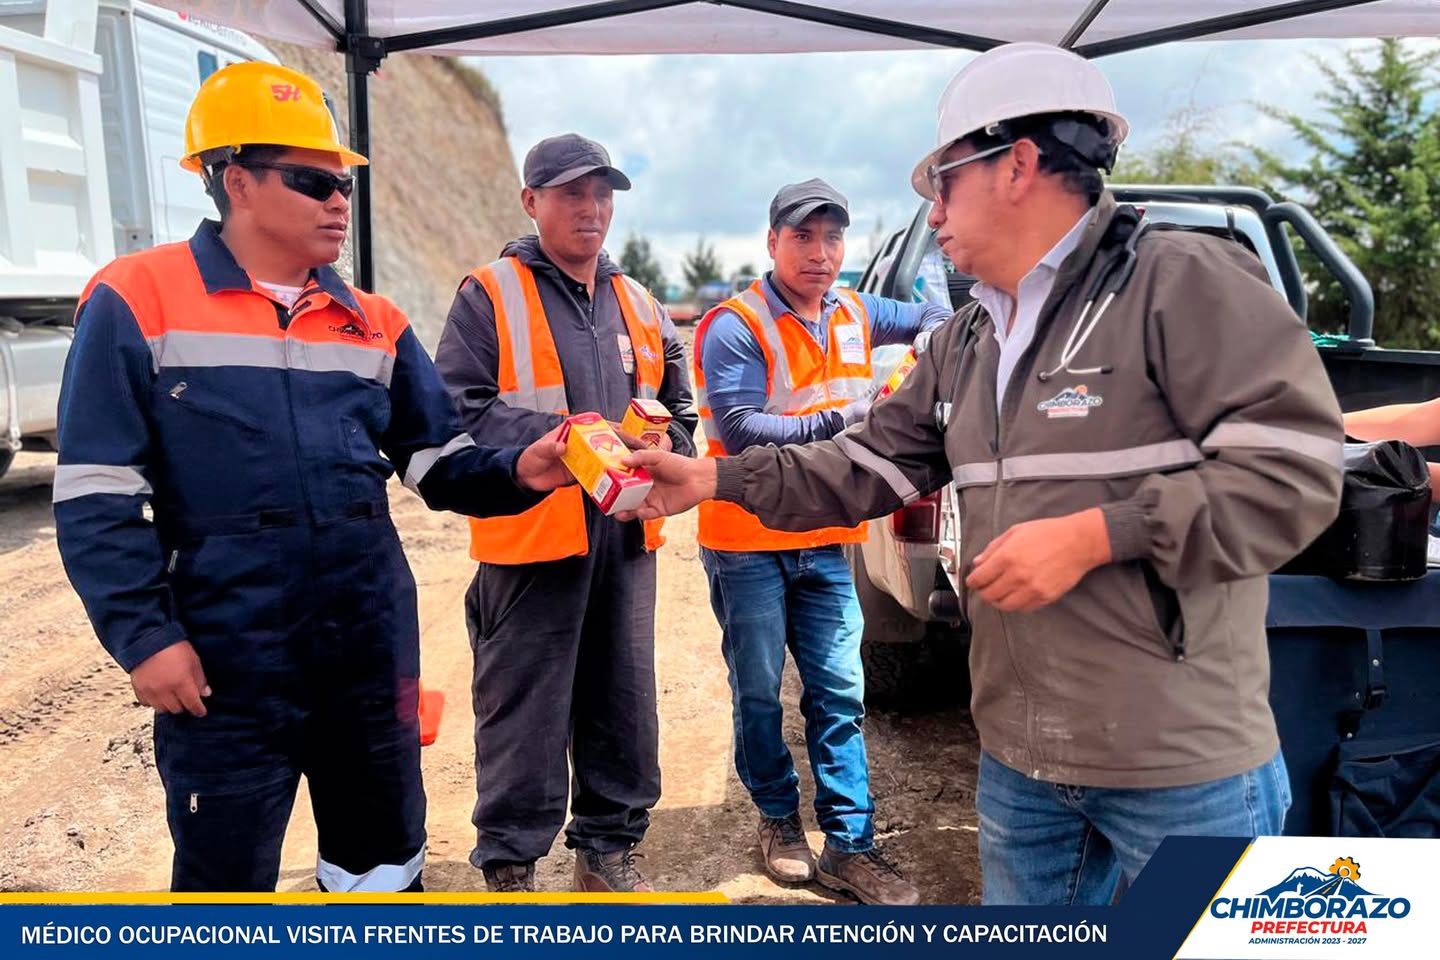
(93, 98)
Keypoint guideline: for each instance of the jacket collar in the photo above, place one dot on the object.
(829, 300)
(220, 272)
(1077, 264)
(1073, 268)
(527, 250)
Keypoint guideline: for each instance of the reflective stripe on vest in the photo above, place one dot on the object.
(529, 374)
(530, 378)
(642, 312)
(800, 379)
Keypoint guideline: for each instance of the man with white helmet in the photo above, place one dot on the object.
(1139, 431)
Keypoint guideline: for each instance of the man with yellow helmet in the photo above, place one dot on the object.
(258, 404)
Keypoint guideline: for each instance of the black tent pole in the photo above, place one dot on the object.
(363, 54)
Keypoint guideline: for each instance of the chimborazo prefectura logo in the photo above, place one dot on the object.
(1314, 902)
(1070, 402)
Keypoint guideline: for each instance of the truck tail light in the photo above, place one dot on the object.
(918, 522)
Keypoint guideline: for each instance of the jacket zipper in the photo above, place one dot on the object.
(595, 337)
(177, 393)
(284, 316)
(997, 448)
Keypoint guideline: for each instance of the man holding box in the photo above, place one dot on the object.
(788, 361)
(561, 612)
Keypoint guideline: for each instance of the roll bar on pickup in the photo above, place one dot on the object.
(1275, 216)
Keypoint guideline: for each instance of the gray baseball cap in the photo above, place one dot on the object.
(557, 160)
(796, 201)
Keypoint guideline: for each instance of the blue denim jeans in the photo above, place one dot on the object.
(1048, 843)
(803, 600)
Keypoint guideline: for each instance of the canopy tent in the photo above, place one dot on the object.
(367, 31)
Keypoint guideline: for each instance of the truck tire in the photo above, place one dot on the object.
(912, 677)
(7, 457)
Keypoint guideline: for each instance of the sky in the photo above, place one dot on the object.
(707, 140)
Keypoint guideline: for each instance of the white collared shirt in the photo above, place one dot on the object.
(1014, 336)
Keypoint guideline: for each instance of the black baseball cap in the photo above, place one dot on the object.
(558, 160)
(796, 201)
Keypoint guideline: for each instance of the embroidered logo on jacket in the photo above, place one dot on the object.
(1070, 402)
(354, 331)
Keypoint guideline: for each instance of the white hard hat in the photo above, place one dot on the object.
(1013, 81)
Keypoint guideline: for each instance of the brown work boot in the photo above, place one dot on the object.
(784, 849)
(502, 877)
(616, 872)
(867, 876)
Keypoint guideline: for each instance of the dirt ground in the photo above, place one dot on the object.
(82, 804)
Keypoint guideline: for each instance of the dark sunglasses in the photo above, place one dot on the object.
(312, 182)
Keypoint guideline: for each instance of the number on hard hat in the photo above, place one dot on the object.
(254, 103)
(1020, 80)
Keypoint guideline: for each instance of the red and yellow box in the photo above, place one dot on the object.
(594, 453)
(647, 420)
(901, 371)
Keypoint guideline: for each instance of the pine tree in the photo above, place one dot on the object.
(638, 261)
(1373, 180)
(1185, 155)
(701, 265)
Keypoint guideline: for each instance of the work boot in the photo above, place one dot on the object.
(504, 877)
(597, 872)
(867, 876)
(784, 849)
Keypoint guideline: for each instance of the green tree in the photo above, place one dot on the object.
(701, 265)
(1373, 179)
(638, 261)
(1187, 153)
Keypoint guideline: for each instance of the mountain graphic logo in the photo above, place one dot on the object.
(1311, 901)
(1069, 403)
(1306, 882)
(355, 330)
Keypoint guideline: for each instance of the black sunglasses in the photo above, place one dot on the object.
(312, 182)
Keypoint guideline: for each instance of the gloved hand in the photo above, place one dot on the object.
(855, 410)
(922, 342)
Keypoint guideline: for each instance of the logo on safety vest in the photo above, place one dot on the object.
(1070, 402)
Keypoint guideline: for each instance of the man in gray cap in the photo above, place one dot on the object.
(561, 612)
(788, 361)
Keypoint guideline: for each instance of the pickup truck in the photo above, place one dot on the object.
(915, 638)
(93, 99)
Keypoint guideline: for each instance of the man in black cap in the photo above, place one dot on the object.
(788, 361)
(561, 612)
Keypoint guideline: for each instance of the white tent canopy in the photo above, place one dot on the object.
(780, 26)
(367, 31)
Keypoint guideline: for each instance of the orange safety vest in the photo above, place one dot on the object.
(800, 379)
(530, 378)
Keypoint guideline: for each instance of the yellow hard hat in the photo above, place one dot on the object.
(257, 102)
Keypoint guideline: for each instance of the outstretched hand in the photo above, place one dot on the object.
(540, 468)
(679, 483)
